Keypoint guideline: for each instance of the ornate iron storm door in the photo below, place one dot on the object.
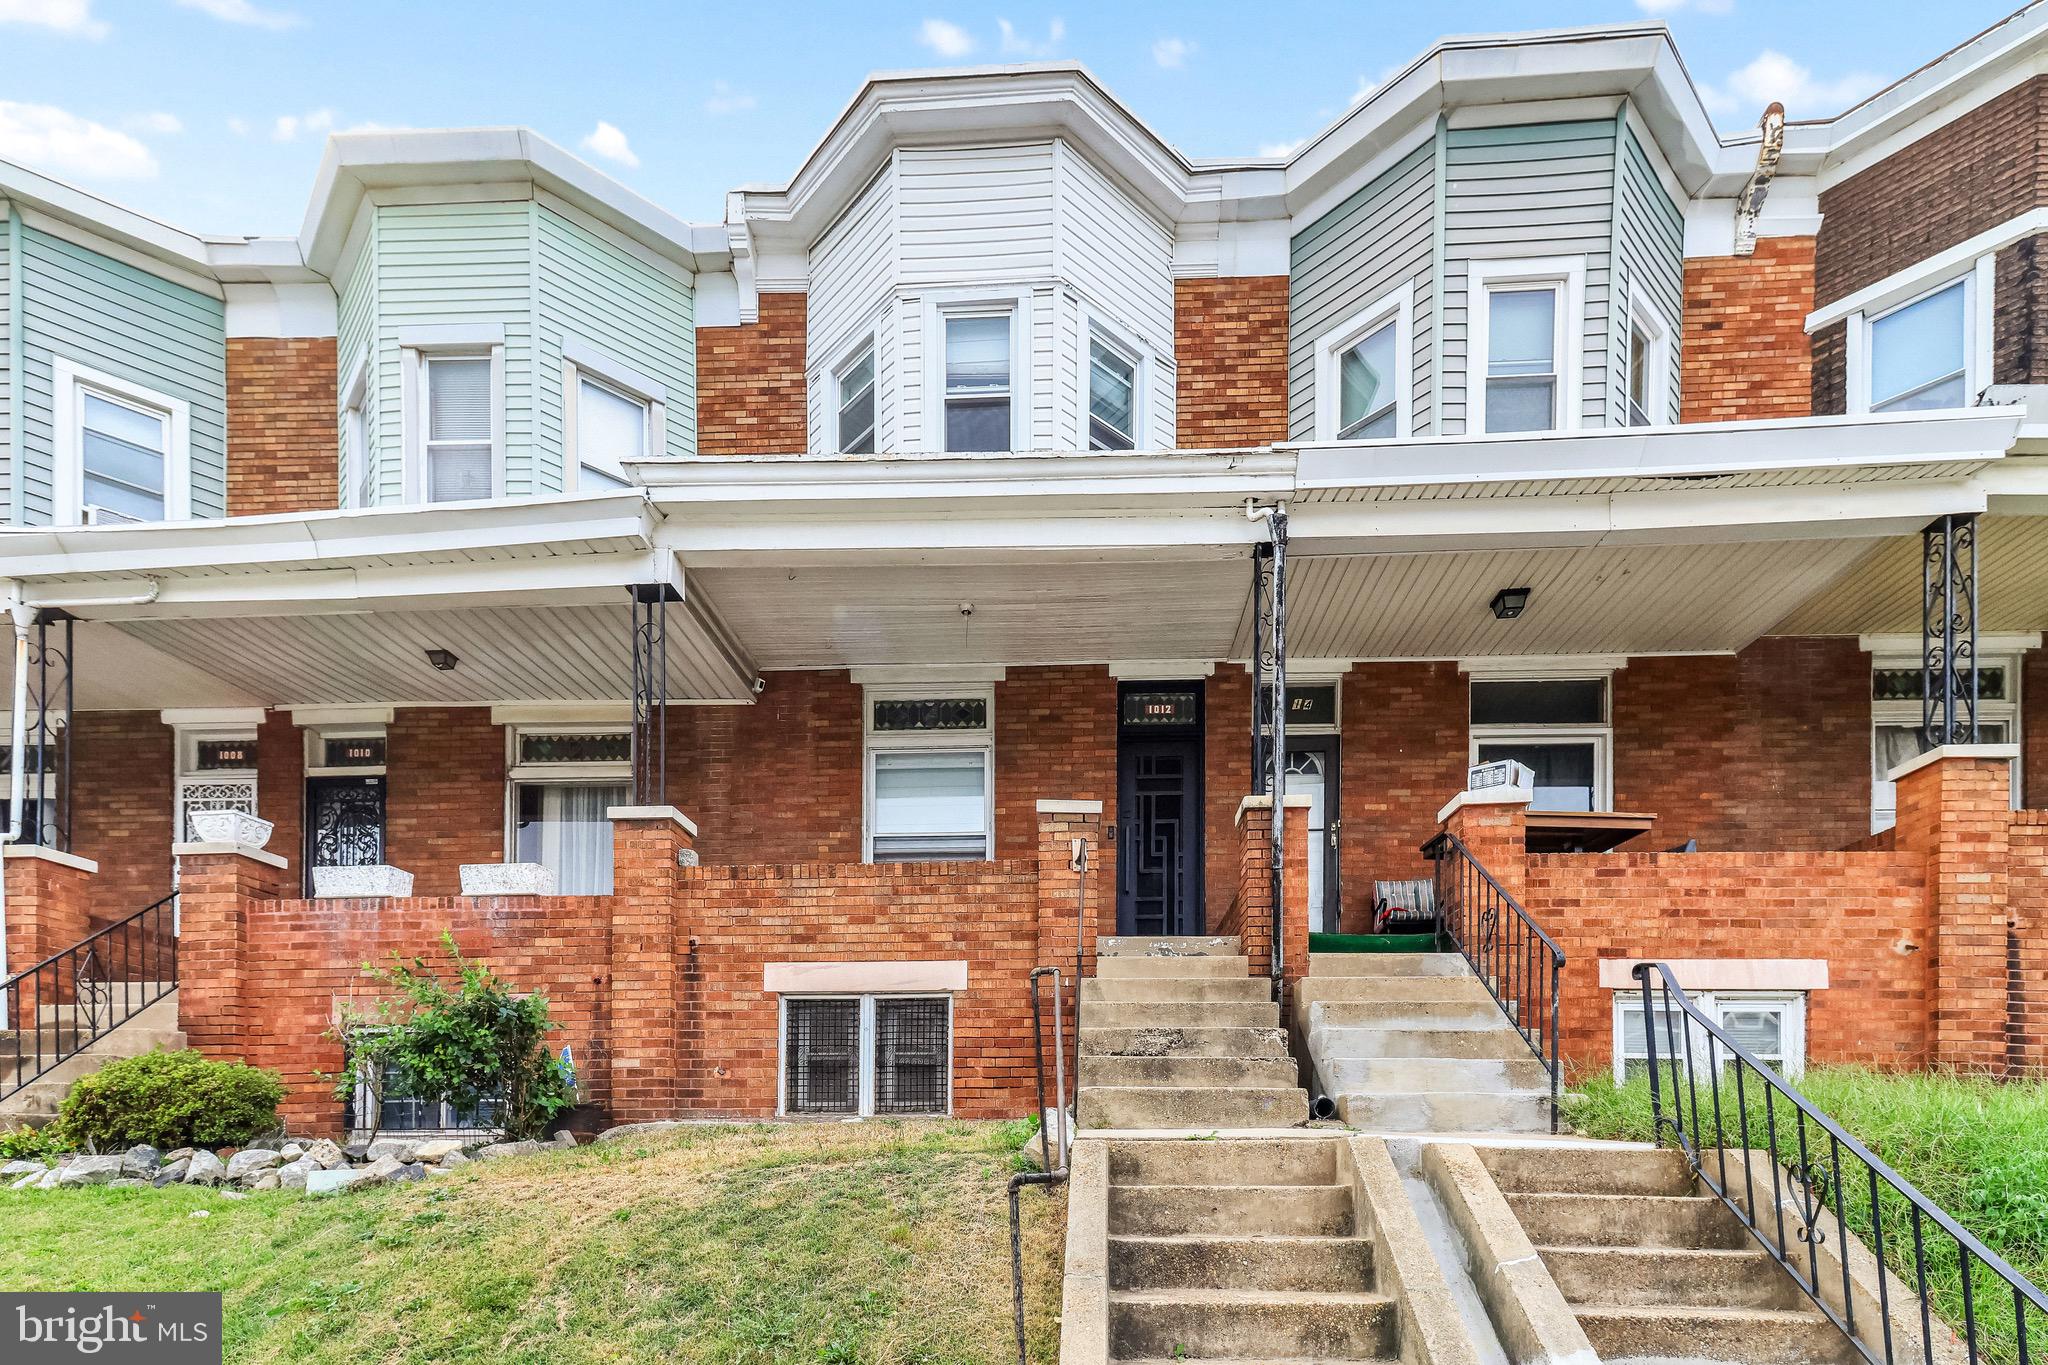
(1159, 810)
(344, 822)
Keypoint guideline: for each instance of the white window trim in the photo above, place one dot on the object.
(955, 741)
(519, 774)
(1980, 287)
(1792, 1037)
(69, 382)
(1565, 273)
(1017, 303)
(864, 1050)
(1657, 395)
(414, 360)
(355, 432)
(1095, 327)
(1331, 346)
(1601, 736)
(315, 738)
(580, 362)
(1884, 804)
(868, 342)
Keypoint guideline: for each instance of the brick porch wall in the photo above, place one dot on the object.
(284, 445)
(2027, 942)
(750, 382)
(1404, 730)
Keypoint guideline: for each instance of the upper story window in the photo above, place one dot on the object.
(1524, 337)
(1557, 727)
(1649, 369)
(1112, 393)
(1365, 389)
(929, 775)
(458, 447)
(358, 482)
(123, 451)
(1919, 352)
(979, 357)
(613, 415)
(853, 387)
(1363, 382)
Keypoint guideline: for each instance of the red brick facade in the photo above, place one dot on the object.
(750, 382)
(284, 448)
(1230, 347)
(1744, 352)
(122, 807)
(445, 796)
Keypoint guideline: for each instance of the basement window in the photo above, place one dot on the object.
(1770, 1027)
(867, 1055)
(377, 1109)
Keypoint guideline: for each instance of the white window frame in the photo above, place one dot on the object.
(70, 382)
(977, 303)
(1657, 334)
(1399, 306)
(580, 362)
(1097, 328)
(518, 774)
(355, 435)
(1884, 796)
(953, 741)
(867, 343)
(864, 1051)
(1792, 1033)
(316, 737)
(1600, 736)
(417, 347)
(1980, 282)
(1565, 274)
(189, 775)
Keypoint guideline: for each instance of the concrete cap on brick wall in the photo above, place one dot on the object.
(1070, 808)
(616, 813)
(1266, 803)
(2008, 752)
(51, 855)
(1491, 796)
(264, 856)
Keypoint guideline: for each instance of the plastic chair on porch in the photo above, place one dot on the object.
(1404, 907)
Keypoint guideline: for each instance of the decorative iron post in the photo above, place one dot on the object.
(650, 693)
(1272, 666)
(48, 760)
(1948, 631)
(1262, 582)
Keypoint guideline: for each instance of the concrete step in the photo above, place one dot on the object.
(1330, 1265)
(1183, 1042)
(1588, 1170)
(1448, 1014)
(1631, 1220)
(1225, 1161)
(1377, 1075)
(1123, 968)
(1245, 1210)
(1501, 1044)
(1387, 964)
(1750, 1336)
(1170, 1014)
(1446, 1111)
(1432, 990)
(1636, 1276)
(1228, 1324)
(1190, 1072)
(1199, 945)
(1118, 1106)
(1203, 990)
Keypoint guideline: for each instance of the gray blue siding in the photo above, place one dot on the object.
(1649, 266)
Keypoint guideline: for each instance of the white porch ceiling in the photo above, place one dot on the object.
(1882, 596)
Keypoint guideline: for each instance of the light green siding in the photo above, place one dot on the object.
(1649, 265)
(355, 344)
(110, 316)
(10, 373)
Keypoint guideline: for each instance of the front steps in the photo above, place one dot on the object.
(1176, 1033)
(36, 1103)
(1414, 1043)
(1653, 1268)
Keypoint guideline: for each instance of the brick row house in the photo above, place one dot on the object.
(800, 590)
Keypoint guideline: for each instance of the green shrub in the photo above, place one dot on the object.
(29, 1144)
(171, 1099)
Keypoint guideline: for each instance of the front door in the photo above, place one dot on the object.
(1312, 772)
(1159, 809)
(344, 823)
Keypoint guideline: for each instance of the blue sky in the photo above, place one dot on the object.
(211, 113)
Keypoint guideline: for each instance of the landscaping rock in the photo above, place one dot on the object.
(400, 1148)
(126, 1181)
(356, 1151)
(337, 1181)
(141, 1160)
(626, 1130)
(438, 1149)
(89, 1170)
(564, 1139)
(249, 1161)
(413, 1171)
(19, 1168)
(326, 1155)
(27, 1181)
(454, 1159)
(48, 1180)
(266, 1180)
(172, 1173)
(292, 1175)
(206, 1169)
(179, 1154)
(384, 1168)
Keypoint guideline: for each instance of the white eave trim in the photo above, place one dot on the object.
(1021, 473)
(1908, 646)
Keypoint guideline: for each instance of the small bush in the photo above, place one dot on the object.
(28, 1144)
(171, 1099)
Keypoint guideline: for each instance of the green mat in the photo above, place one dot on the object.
(1372, 943)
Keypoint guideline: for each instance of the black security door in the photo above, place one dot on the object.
(1159, 809)
(344, 823)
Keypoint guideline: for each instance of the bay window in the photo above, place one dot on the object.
(1649, 370)
(929, 777)
(1524, 344)
(563, 783)
(1112, 393)
(458, 439)
(1365, 388)
(612, 415)
(979, 358)
(1364, 373)
(853, 387)
(1919, 352)
(122, 450)
(1556, 727)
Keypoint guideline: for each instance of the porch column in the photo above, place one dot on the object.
(47, 896)
(1493, 826)
(216, 883)
(1955, 809)
(1252, 914)
(648, 848)
(1948, 630)
(1063, 918)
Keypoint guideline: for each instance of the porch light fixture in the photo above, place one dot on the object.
(1508, 603)
(442, 659)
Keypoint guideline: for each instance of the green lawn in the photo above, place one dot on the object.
(819, 1242)
(1975, 1146)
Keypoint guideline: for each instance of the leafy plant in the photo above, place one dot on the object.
(170, 1099)
(471, 1043)
(29, 1144)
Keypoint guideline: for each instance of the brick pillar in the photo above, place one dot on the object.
(47, 897)
(1494, 827)
(1955, 809)
(646, 1019)
(1060, 823)
(216, 884)
(1254, 907)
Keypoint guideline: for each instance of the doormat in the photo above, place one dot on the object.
(1372, 943)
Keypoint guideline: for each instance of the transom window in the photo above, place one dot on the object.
(1112, 395)
(929, 778)
(978, 380)
(1919, 352)
(867, 1055)
(854, 382)
(1556, 727)
(458, 445)
(1770, 1027)
(1521, 358)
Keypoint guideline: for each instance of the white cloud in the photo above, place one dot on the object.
(1281, 148)
(156, 121)
(53, 139)
(945, 38)
(287, 127)
(239, 127)
(1172, 53)
(63, 16)
(726, 100)
(1016, 44)
(1662, 7)
(242, 12)
(608, 142)
(1774, 76)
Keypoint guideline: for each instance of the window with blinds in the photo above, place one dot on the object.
(458, 439)
(124, 448)
(867, 1055)
(1771, 1028)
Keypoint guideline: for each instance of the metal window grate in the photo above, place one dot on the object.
(822, 1065)
(910, 1056)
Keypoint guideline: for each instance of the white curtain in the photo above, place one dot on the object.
(576, 839)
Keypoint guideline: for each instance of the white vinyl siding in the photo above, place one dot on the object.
(852, 273)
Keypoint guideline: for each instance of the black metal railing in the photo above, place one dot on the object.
(1824, 1186)
(1520, 964)
(1048, 1172)
(64, 1004)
